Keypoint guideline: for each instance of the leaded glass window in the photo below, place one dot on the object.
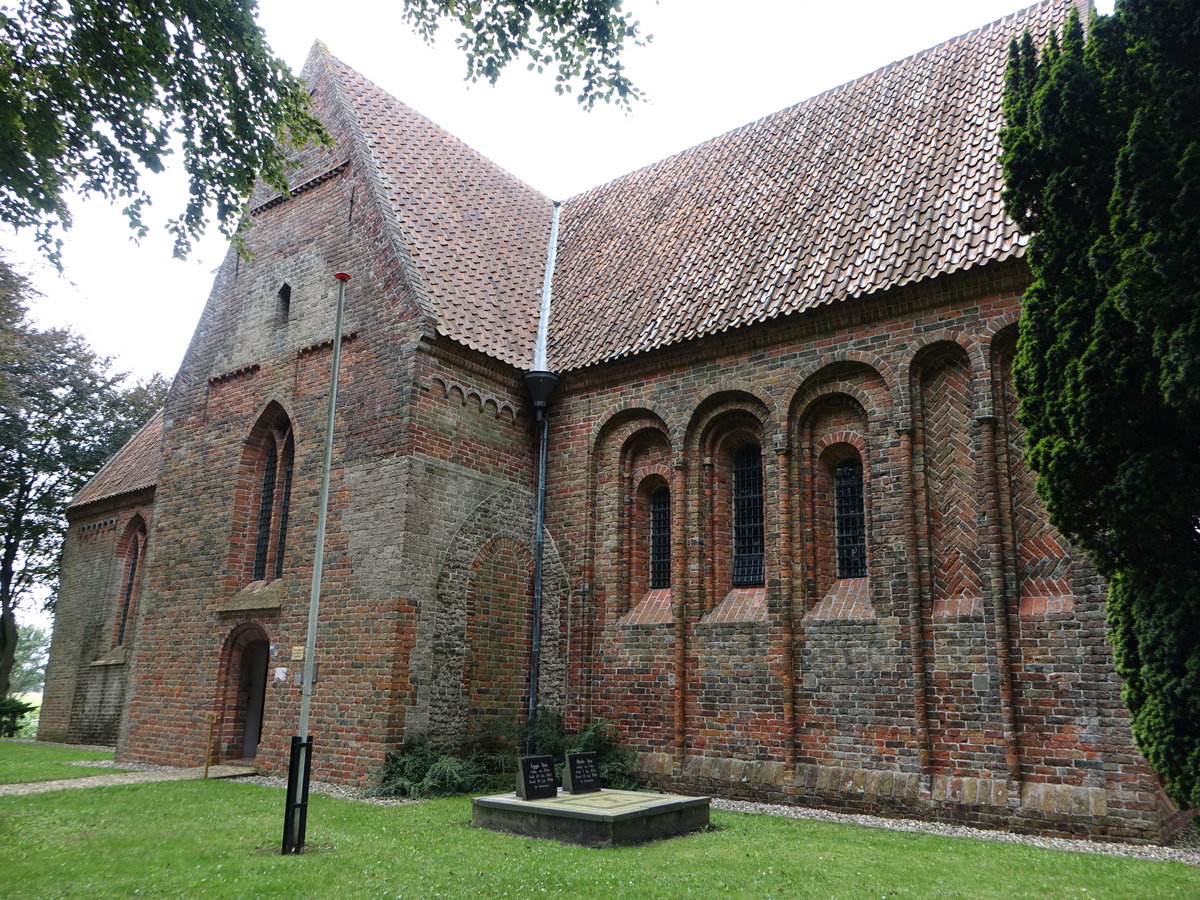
(266, 508)
(131, 578)
(284, 506)
(747, 516)
(660, 538)
(850, 521)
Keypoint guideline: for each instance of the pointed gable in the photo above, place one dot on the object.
(474, 234)
(885, 181)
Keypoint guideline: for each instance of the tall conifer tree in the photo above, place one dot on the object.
(1102, 161)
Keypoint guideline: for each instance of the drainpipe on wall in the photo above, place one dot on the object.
(540, 382)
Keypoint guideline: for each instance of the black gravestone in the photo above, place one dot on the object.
(536, 780)
(581, 775)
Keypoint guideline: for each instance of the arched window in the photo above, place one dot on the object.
(849, 520)
(134, 547)
(274, 499)
(660, 538)
(747, 516)
(283, 305)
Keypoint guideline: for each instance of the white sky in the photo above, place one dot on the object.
(712, 66)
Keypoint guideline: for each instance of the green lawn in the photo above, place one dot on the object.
(218, 839)
(39, 762)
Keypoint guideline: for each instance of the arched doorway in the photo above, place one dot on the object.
(247, 654)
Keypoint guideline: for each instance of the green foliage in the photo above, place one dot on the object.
(547, 736)
(12, 712)
(94, 92)
(1102, 163)
(29, 662)
(62, 414)
(583, 38)
(421, 770)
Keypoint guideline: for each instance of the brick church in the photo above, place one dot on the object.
(791, 550)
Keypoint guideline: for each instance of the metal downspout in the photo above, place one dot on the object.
(540, 383)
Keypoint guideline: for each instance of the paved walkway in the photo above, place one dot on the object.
(161, 773)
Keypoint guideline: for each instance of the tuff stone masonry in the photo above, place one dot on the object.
(792, 551)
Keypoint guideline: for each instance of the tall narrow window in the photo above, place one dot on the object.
(266, 509)
(133, 569)
(850, 521)
(285, 503)
(274, 501)
(283, 304)
(660, 538)
(747, 516)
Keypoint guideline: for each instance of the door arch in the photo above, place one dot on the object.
(244, 689)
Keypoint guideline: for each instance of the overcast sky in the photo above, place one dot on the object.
(711, 66)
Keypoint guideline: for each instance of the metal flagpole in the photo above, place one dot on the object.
(300, 766)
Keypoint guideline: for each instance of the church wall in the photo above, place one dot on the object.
(470, 554)
(88, 669)
(936, 685)
(250, 367)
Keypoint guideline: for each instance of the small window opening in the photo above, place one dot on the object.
(747, 516)
(850, 521)
(283, 307)
(660, 538)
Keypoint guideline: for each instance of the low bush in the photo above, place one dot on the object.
(12, 714)
(421, 770)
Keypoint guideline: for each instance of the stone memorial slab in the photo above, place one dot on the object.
(581, 774)
(604, 818)
(536, 779)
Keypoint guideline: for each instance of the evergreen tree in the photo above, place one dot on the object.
(62, 414)
(1102, 160)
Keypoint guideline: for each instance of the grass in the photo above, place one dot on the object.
(39, 762)
(215, 839)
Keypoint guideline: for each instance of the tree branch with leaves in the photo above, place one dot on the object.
(62, 414)
(95, 94)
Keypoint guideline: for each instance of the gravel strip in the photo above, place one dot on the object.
(1185, 848)
(341, 791)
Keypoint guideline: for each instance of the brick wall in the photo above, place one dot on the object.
(88, 669)
(965, 678)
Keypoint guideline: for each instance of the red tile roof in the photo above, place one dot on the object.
(884, 181)
(477, 235)
(132, 468)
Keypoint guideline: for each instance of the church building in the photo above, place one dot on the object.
(791, 551)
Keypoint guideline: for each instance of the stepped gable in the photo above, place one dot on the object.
(132, 468)
(887, 180)
(476, 234)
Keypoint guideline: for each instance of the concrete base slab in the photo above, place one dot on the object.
(605, 818)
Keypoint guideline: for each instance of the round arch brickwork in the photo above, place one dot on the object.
(494, 536)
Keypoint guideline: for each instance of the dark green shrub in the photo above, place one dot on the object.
(489, 763)
(548, 736)
(421, 771)
(12, 711)
(616, 762)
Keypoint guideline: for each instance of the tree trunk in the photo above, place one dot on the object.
(8, 648)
